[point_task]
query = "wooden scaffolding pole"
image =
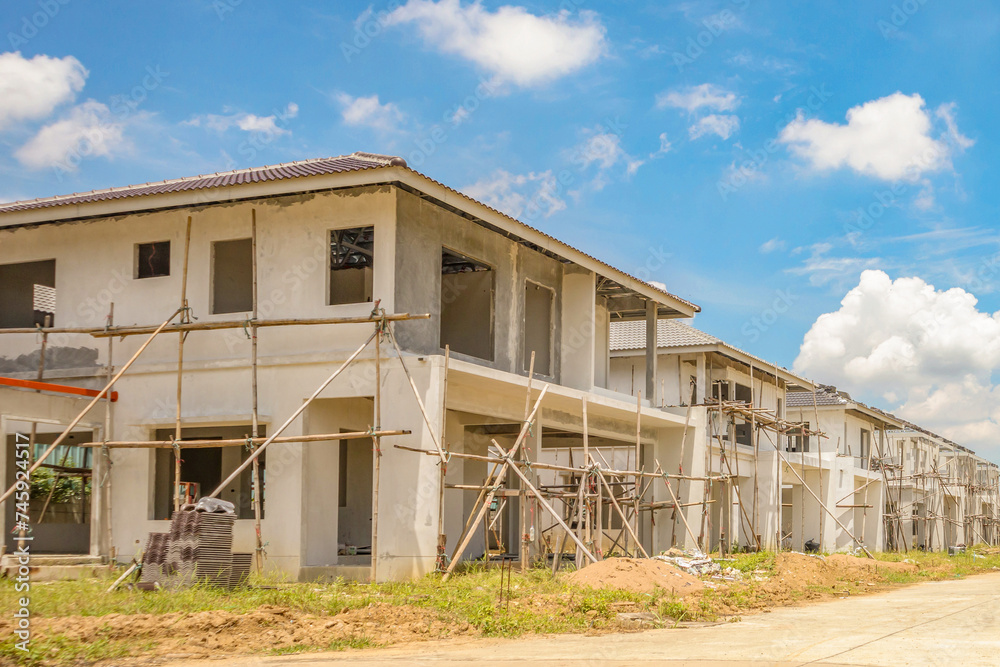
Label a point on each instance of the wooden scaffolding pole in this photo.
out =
(625, 520)
(376, 446)
(58, 441)
(107, 463)
(185, 317)
(638, 466)
(254, 426)
(522, 496)
(819, 451)
(442, 542)
(271, 438)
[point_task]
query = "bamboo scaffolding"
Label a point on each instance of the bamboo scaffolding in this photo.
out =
(500, 477)
(376, 445)
(73, 424)
(239, 442)
(257, 452)
(522, 497)
(442, 536)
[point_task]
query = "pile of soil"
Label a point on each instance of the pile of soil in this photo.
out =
(639, 575)
(799, 571)
(208, 633)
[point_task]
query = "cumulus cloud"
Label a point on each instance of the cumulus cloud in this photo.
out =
(605, 150)
(88, 130)
(930, 353)
(722, 125)
(32, 89)
(693, 98)
(248, 122)
(511, 43)
(891, 138)
(369, 112)
(529, 195)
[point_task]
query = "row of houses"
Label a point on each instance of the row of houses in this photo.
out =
(277, 276)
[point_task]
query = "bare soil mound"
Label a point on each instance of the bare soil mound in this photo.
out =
(639, 575)
(799, 571)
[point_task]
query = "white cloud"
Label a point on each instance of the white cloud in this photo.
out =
(248, 122)
(723, 125)
(510, 43)
(889, 138)
(771, 245)
(665, 146)
(693, 98)
(88, 130)
(931, 351)
(604, 150)
(530, 195)
(368, 112)
(32, 89)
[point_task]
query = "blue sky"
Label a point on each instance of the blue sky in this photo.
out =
(704, 145)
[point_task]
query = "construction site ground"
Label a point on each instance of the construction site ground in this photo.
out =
(594, 613)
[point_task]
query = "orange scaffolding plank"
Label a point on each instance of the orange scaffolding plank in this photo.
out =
(49, 386)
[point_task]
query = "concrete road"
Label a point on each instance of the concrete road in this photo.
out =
(955, 622)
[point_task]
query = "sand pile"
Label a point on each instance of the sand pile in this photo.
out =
(799, 571)
(636, 574)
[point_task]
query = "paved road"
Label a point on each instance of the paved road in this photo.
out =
(955, 622)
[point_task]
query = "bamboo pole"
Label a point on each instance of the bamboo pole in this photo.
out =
(254, 427)
(522, 497)
(140, 330)
(585, 480)
(500, 478)
(58, 441)
(638, 455)
(739, 499)
(680, 471)
(180, 367)
(376, 450)
(819, 451)
(239, 442)
(105, 452)
(257, 452)
(552, 466)
(442, 536)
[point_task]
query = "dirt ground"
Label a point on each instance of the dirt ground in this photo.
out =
(208, 633)
(796, 578)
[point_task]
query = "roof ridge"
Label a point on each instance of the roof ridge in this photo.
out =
(382, 160)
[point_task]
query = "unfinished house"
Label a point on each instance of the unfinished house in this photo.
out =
(842, 469)
(740, 399)
(332, 345)
(915, 512)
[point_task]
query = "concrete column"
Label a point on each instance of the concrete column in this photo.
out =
(700, 378)
(651, 309)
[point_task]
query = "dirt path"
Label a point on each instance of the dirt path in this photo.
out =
(953, 622)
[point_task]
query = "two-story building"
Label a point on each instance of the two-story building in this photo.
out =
(332, 237)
